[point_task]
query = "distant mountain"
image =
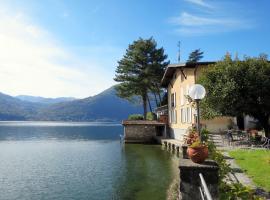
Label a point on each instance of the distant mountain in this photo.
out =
(14, 109)
(43, 100)
(105, 106)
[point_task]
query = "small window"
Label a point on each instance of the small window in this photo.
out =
(183, 115)
(175, 115)
(172, 100)
(188, 113)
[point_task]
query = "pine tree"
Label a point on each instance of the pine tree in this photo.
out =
(140, 70)
(195, 56)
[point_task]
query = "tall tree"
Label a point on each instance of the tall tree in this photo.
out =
(140, 70)
(237, 87)
(195, 56)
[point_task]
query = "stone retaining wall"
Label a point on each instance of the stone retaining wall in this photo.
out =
(190, 180)
(141, 131)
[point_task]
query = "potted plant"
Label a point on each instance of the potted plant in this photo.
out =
(197, 150)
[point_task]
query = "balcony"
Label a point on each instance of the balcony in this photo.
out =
(162, 113)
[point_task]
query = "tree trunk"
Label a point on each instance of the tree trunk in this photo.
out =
(159, 96)
(240, 122)
(155, 98)
(149, 104)
(158, 91)
(144, 98)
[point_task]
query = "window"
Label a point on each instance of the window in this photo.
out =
(170, 117)
(189, 114)
(183, 115)
(175, 116)
(173, 100)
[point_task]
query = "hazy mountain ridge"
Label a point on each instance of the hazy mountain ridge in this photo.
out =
(36, 99)
(105, 106)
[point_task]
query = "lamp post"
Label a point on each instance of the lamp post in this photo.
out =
(197, 93)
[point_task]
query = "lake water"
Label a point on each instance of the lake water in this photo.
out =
(41, 160)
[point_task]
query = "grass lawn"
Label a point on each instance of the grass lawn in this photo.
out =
(256, 163)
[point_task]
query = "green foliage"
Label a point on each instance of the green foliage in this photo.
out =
(204, 135)
(256, 163)
(216, 155)
(237, 87)
(135, 117)
(197, 144)
(140, 70)
(195, 56)
(151, 116)
(237, 191)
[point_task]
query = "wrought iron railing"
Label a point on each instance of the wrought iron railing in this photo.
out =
(205, 194)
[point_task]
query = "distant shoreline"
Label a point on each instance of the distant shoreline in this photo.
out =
(57, 123)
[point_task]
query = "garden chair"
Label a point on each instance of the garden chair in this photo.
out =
(265, 143)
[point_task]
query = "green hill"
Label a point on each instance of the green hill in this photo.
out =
(105, 106)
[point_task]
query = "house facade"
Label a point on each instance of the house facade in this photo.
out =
(178, 78)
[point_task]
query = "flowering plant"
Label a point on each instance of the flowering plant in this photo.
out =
(192, 137)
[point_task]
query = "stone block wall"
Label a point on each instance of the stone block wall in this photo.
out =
(137, 133)
(190, 180)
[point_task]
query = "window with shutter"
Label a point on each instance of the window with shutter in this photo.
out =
(172, 100)
(175, 99)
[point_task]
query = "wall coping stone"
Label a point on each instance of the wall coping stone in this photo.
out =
(207, 164)
(143, 122)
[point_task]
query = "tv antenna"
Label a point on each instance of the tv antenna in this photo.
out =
(179, 50)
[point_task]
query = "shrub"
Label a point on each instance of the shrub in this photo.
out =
(135, 117)
(204, 135)
(151, 116)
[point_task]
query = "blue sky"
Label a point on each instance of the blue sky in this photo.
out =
(70, 48)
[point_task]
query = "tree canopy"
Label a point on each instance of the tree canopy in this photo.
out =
(236, 87)
(140, 70)
(195, 56)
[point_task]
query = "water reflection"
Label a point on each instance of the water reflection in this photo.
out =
(59, 131)
(147, 172)
(66, 161)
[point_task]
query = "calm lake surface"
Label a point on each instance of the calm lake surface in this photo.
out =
(49, 160)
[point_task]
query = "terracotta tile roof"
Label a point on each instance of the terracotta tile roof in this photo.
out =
(169, 72)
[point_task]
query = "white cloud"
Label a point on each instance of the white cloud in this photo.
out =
(213, 21)
(200, 3)
(32, 62)
(186, 19)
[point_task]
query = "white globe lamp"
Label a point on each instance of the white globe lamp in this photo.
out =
(197, 93)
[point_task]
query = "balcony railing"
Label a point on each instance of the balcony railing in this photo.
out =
(162, 110)
(205, 194)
